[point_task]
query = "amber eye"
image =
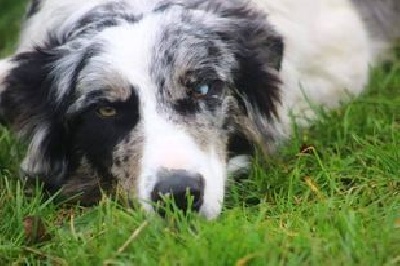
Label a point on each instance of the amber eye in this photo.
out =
(106, 112)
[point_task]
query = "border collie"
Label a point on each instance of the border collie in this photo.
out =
(161, 97)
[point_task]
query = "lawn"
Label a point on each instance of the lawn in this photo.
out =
(338, 203)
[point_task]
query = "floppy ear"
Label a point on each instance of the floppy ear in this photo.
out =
(257, 82)
(259, 51)
(28, 107)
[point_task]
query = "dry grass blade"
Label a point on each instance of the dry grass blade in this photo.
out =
(307, 149)
(314, 188)
(54, 260)
(132, 237)
(245, 260)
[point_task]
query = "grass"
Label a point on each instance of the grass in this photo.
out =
(339, 204)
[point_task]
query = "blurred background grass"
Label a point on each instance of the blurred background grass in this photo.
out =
(11, 12)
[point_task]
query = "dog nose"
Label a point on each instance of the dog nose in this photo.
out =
(178, 185)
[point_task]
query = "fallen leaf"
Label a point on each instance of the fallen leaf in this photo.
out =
(34, 230)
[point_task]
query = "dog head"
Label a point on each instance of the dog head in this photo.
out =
(154, 102)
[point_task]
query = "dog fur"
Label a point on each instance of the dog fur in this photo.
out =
(189, 85)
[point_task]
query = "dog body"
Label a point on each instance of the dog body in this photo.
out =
(158, 97)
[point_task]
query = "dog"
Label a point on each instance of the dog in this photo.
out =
(161, 98)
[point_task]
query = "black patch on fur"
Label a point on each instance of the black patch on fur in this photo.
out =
(259, 52)
(33, 8)
(258, 85)
(95, 94)
(29, 103)
(95, 137)
(28, 89)
(186, 106)
(239, 144)
(161, 84)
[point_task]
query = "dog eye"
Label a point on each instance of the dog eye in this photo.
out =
(106, 112)
(204, 90)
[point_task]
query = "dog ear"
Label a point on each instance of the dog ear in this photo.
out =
(259, 52)
(28, 107)
(257, 82)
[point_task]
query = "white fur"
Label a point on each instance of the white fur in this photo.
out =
(35, 160)
(327, 54)
(53, 14)
(238, 164)
(5, 66)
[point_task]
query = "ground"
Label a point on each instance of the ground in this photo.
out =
(335, 203)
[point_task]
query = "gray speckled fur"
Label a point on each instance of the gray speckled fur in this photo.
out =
(382, 17)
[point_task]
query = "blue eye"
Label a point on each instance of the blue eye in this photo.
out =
(203, 89)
